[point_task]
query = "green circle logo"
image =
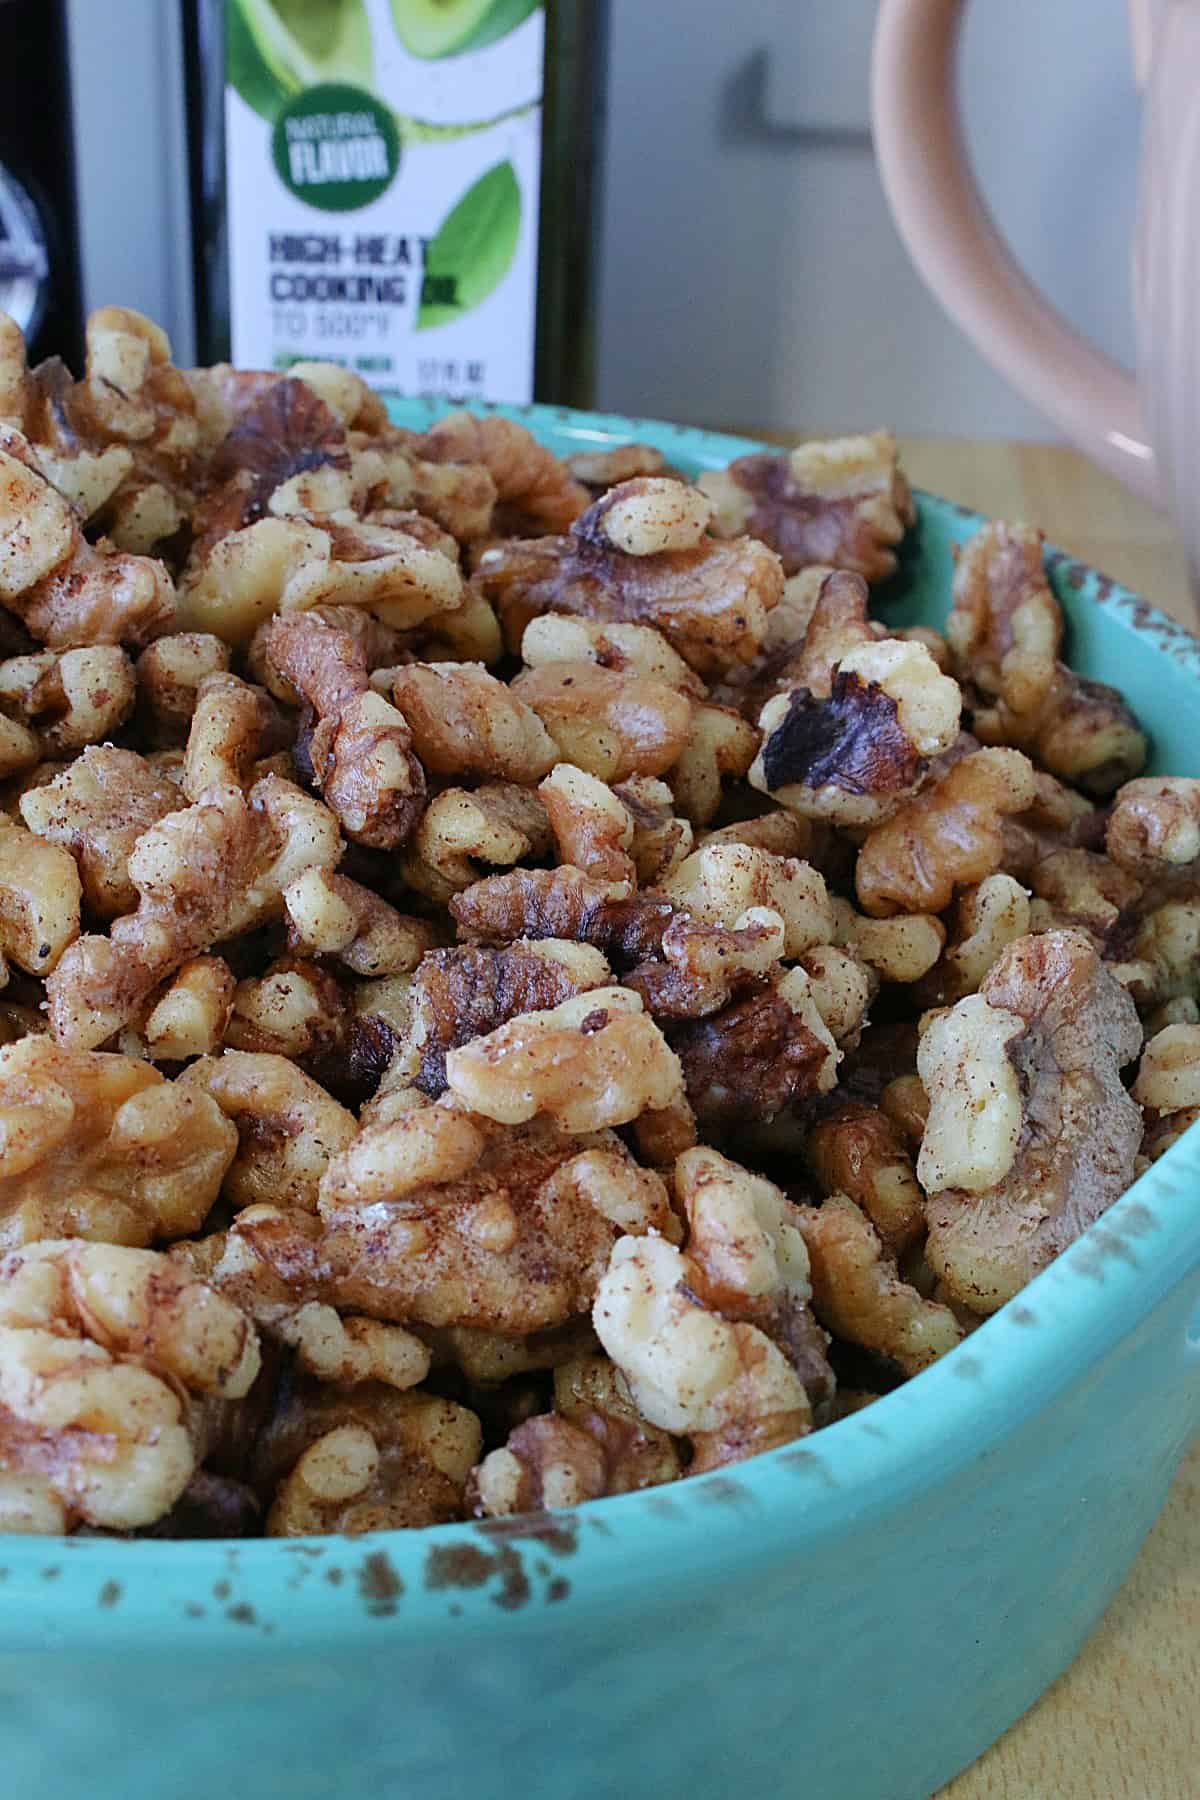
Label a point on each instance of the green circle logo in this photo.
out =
(336, 147)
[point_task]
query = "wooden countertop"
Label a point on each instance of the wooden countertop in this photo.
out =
(1122, 1721)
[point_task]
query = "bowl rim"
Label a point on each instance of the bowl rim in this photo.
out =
(275, 1595)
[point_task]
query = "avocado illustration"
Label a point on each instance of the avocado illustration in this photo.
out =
(436, 28)
(274, 49)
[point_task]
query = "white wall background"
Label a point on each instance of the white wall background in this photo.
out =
(750, 271)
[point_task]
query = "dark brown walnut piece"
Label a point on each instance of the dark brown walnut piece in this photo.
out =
(286, 431)
(1012, 1184)
(853, 740)
(563, 903)
(463, 993)
(844, 502)
(704, 965)
(757, 1056)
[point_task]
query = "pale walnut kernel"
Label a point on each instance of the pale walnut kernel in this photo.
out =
(648, 515)
(288, 1127)
(465, 722)
(372, 1459)
(988, 917)
(625, 649)
(496, 824)
(1005, 628)
(857, 1151)
(103, 1351)
(689, 1370)
(719, 743)
(721, 881)
(208, 872)
(593, 830)
(1154, 827)
(39, 899)
(69, 698)
(859, 1294)
(594, 1443)
(287, 565)
(460, 497)
(842, 501)
(97, 808)
(231, 727)
(295, 1009)
(1168, 1077)
(950, 836)
(19, 748)
(901, 949)
(169, 673)
(1065, 1029)
(973, 1125)
(611, 725)
(102, 1147)
(593, 1061)
(843, 987)
(189, 1017)
(329, 915)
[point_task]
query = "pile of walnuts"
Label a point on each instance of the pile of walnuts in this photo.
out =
(516, 987)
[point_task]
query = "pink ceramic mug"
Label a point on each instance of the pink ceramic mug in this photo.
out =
(1147, 432)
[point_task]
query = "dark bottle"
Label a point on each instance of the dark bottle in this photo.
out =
(407, 187)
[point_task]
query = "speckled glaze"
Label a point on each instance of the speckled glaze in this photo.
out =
(854, 1617)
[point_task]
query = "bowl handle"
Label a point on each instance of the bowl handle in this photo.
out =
(955, 245)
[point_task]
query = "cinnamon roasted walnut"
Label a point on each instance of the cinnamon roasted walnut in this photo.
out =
(660, 840)
(295, 1009)
(719, 743)
(288, 1127)
(68, 698)
(988, 917)
(169, 673)
(98, 808)
(1063, 1142)
(758, 1055)
(1168, 1087)
(65, 591)
(190, 1015)
(601, 469)
(613, 726)
(904, 948)
(843, 501)
(39, 900)
(710, 603)
(858, 1292)
(593, 829)
(203, 874)
(856, 1150)
(719, 882)
(232, 727)
(462, 994)
(529, 479)
(102, 1147)
(329, 915)
(592, 1061)
(563, 903)
(436, 1219)
(101, 1352)
(465, 722)
(947, 837)
(370, 1459)
(646, 516)
(625, 649)
(703, 965)
(497, 824)
(688, 1369)
(360, 749)
(1154, 827)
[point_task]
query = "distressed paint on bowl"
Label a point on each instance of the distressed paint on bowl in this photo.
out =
(852, 1617)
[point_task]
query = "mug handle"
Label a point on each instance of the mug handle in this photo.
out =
(956, 247)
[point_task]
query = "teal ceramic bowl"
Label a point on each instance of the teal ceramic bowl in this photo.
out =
(854, 1617)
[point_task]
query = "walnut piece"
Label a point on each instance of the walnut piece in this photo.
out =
(1154, 827)
(593, 829)
(988, 917)
(330, 915)
(189, 1016)
(209, 872)
(465, 722)
(755, 1057)
(859, 1294)
(857, 1151)
(101, 1351)
(98, 808)
(68, 698)
(169, 673)
(102, 1147)
(721, 881)
(646, 516)
(39, 899)
(288, 1127)
(593, 1061)
(1049, 1032)
(496, 824)
(529, 479)
(950, 836)
(689, 1370)
(842, 501)
(623, 648)
(612, 725)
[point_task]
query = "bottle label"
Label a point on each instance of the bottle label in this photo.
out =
(382, 167)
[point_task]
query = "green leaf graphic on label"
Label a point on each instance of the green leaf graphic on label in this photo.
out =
(276, 48)
(433, 28)
(472, 249)
(336, 147)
